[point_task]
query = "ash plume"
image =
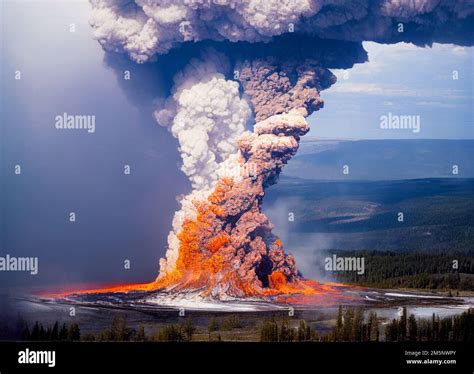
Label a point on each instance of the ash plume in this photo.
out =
(144, 29)
(269, 85)
(222, 243)
(207, 116)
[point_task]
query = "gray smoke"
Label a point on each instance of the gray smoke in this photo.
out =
(144, 29)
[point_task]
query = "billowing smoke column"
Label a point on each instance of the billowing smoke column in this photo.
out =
(207, 116)
(222, 244)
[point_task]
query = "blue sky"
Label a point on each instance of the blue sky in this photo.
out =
(401, 79)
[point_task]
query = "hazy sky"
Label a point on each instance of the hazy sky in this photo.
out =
(118, 217)
(128, 217)
(402, 79)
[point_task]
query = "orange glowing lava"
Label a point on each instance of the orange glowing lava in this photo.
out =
(202, 264)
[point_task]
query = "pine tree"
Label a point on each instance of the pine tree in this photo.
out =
(74, 332)
(284, 333)
(268, 332)
(357, 325)
(402, 324)
(304, 331)
(48, 333)
(189, 328)
(42, 333)
(35, 332)
(119, 330)
(169, 333)
(55, 332)
(212, 326)
(339, 324)
(373, 327)
(25, 334)
(141, 336)
(391, 331)
(21, 330)
(63, 332)
(412, 328)
(347, 324)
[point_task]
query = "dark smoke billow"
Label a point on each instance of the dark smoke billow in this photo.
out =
(146, 28)
(254, 61)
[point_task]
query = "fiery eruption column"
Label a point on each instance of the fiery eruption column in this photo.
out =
(222, 243)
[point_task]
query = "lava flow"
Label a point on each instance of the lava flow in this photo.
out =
(228, 250)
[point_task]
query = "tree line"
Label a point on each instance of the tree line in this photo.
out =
(119, 330)
(411, 270)
(351, 325)
(455, 328)
(39, 332)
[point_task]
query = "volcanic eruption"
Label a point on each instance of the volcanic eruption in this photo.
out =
(265, 64)
(223, 244)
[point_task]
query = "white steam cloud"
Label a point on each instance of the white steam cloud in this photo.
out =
(207, 116)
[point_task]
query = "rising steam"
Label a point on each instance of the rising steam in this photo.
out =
(207, 116)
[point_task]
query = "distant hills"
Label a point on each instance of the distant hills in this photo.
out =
(382, 159)
(438, 215)
(331, 211)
